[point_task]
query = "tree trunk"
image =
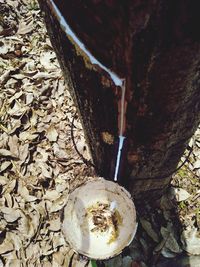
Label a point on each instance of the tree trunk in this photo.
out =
(155, 48)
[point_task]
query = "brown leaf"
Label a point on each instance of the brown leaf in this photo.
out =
(25, 27)
(55, 225)
(6, 153)
(5, 165)
(14, 145)
(24, 152)
(6, 247)
(10, 214)
(52, 134)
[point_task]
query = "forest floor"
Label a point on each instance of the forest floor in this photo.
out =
(39, 164)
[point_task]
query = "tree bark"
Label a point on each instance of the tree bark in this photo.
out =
(155, 47)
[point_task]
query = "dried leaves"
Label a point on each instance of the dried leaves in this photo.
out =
(37, 159)
(38, 164)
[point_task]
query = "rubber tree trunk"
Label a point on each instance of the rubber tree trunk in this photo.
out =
(155, 46)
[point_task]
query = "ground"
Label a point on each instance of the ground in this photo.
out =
(40, 134)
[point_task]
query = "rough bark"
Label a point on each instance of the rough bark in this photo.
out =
(155, 46)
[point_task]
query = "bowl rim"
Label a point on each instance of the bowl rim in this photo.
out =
(132, 235)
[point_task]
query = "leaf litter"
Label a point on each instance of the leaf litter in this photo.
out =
(39, 165)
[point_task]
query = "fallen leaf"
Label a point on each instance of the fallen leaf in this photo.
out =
(59, 203)
(15, 263)
(10, 214)
(27, 136)
(5, 153)
(25, 26)
(197, 164)
(45, 75)
(180, 194)
(52, 134)
(55, 225)
(24, 193)
(3, 180)
(14, 145)
(17, 109)
(47, 59)
(6, 246)
(5, 165)
(58, 240)
(58, 258)
(51, 195)
(24, 152)
(191, 241)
